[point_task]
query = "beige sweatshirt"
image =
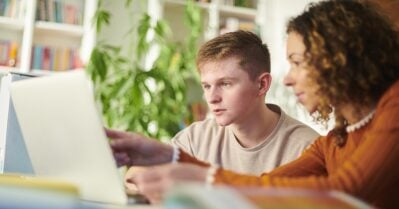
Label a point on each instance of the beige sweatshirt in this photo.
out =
(217, 145)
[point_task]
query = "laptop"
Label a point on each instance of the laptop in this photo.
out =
(64, 135)
(13, 150)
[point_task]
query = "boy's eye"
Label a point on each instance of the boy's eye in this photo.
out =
(226, 84)
(206, 86)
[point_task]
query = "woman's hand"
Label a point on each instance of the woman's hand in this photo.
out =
(154, 182)
(133, 149)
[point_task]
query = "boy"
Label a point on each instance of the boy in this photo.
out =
(245, 135)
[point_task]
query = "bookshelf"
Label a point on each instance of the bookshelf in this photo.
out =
(45, 36)
(9, 23)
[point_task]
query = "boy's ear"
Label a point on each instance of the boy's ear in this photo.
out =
(265, 80)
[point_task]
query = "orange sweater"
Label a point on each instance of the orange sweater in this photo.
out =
(366, 167)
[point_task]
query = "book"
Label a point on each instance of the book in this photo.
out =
(54, 58)
(12, 55)
(59, 11)
(32, 192)
(12, 8)
(8, 53)
(39, 183)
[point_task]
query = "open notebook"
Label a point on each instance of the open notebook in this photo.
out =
(64, 135)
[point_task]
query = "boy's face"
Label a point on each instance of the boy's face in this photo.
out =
(231, 95)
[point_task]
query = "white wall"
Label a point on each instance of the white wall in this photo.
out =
(122, 20)
(278, 13)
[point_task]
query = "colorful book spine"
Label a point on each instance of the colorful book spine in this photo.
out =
(59, 11)
(12, 8)
(9, 53)
(54, 59)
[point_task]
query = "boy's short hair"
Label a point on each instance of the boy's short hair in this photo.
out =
(253, 55)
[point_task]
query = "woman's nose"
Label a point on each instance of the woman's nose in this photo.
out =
(288, 79)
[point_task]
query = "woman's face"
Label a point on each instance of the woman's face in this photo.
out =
(297, 77)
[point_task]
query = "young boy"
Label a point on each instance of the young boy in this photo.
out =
(245, 135)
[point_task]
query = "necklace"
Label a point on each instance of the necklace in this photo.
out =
(360, 123)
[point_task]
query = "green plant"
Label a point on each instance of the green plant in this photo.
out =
(151, 100)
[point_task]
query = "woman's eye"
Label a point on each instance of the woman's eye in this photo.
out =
(296, 63)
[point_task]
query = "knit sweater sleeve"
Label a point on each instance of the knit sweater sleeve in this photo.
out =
(184, 157)
(311, 163)
(371, 168)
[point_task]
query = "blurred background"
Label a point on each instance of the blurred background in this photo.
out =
(140, 54)
(267, 18)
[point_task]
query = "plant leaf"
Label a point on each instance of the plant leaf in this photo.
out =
(101, 18)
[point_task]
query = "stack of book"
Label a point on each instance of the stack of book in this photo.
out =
(12, 8)
(59, 11)
(55, 59)
(8, 53)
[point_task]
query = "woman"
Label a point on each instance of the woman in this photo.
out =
(344, 58)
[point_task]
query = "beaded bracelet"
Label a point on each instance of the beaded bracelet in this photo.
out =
(210, 175)
(176, 154)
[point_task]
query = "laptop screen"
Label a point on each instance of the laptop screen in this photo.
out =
(64, 135)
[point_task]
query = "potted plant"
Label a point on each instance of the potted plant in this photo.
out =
(136, 98)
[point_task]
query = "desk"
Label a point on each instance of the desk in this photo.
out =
(90, 205)
(200, 196)
(186, 196)
(19, 197)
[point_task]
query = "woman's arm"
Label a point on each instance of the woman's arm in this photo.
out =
(371, 168)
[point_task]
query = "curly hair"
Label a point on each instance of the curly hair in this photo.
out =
(253, 54)
(354, 51)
